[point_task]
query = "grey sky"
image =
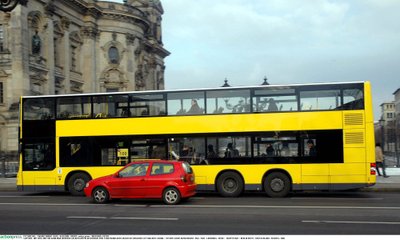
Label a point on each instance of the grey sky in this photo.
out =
(286, 40)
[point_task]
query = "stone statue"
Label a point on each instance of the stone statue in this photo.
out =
(36, 44)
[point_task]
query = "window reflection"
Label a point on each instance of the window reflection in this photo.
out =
(319, 100)
(147, 105)
(228, 101)
(109, 106)
(74, 107)
(39, 109)
(188, 103)
(272, 100)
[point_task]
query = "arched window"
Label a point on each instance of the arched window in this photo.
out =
(113, 55)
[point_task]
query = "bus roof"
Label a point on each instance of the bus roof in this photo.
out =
(197, 89)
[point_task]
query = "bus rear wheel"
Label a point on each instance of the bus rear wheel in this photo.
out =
(230, 184)
(277, 184)
(77, 183)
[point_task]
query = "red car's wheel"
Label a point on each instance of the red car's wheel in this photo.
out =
(171, 196)
(100, 195)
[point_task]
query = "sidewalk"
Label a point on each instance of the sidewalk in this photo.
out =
(390, 184)
(8, 184)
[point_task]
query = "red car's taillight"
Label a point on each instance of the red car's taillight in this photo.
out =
(183, 178)
(187, 178)
(373, 169)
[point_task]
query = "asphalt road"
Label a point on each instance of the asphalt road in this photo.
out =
(307, 213)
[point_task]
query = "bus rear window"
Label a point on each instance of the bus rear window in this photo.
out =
(38, 109)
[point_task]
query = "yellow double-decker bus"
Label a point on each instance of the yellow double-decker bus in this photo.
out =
(275, 138)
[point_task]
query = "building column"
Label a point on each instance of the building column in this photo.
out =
(19, 47)
(67, 63)
(50, 56)
(89, 55)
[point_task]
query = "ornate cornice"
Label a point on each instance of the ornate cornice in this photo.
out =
(65, 22)
(50, 8)
(156, 48)
(78, 5)
(9, 5)
(94, 11)
(130, 38)
(128, 19)
(89, 32)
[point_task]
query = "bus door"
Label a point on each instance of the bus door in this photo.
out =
(38, 165)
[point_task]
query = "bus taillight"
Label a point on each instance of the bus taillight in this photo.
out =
(373, 169)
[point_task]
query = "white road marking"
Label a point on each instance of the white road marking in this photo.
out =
(48, 204)
(86, 217)
(144, 218)
(277, 207)
(16, 196)
(333, 198)
(201, 206)
(350, 222)
(123, 218)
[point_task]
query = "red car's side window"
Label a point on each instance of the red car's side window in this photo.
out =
(134, 170)
(162, 168)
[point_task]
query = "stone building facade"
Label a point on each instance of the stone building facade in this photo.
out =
(76, 46)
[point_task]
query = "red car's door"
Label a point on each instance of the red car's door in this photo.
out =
(130, 182)
(160, 174)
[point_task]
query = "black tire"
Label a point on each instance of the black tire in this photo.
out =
(77, 183)
(230, 184)
(100, 195)
(277, 185)
(171, 196)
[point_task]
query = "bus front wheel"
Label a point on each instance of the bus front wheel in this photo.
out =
(77, 182)
(230, 184)
(277, 184)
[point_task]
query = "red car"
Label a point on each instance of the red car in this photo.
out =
(170, 181)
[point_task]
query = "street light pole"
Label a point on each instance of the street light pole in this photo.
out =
(381, 122)
(9, 5)
(396, 152)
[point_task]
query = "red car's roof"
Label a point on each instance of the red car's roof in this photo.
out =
(154, 161)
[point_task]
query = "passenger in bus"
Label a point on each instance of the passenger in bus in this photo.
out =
(272, 107)
(231, 152)
(186, 154)
(270, 150)
(210, 151)
(195, 109)
(125, 112)
(312, 151)
(158, 152)
(285, 150)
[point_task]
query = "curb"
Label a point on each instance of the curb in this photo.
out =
(382, 189)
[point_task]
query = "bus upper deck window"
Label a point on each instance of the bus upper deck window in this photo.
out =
(353, 99)
(38, 109)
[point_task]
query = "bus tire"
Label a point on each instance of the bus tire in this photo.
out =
(171, 196)
(230, 184)
(277, 184)
(77, 182)
(100, 195)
